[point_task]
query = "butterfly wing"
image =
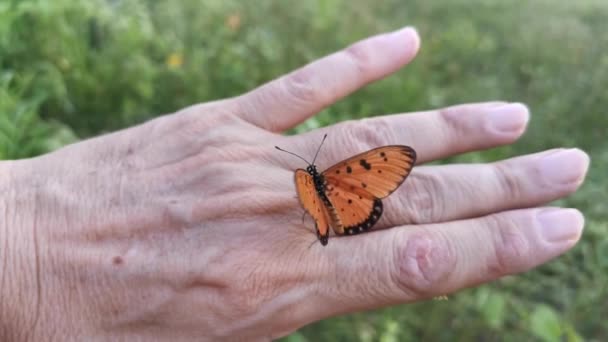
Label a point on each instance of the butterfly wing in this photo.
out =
(356, 212)
(356, 185)
(378, 172)
(310, 201)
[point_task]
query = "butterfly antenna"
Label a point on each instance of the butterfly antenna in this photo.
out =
(293, 154)
(319, 149)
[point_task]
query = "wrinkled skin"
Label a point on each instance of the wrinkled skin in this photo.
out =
(187, 227)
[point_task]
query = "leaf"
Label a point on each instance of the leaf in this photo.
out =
(391, 331)
(492, 306)
(545, 324)
(295, 337)
(494, 310)
(572, 335)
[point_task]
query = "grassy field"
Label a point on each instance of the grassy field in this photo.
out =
(72, 69)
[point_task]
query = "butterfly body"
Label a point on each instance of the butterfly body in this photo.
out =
(320, 187)
(347, 196)
(318, 180)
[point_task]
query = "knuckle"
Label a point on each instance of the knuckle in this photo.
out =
(367, 133)
(510, 248)
(454, 122)
(422, 264)
(359, 55)
(246, 295)
(238, 303)
(249, 301)
(202, 117)
(224, 150)
(300, 88)
(423, 203)
(507, 181)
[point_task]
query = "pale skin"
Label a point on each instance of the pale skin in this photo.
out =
(187, 227)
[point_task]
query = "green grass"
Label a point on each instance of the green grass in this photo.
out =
(72, 69)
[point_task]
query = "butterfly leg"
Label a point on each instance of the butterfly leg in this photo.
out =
(303, 216)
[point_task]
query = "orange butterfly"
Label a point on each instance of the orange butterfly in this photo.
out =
(347, 196)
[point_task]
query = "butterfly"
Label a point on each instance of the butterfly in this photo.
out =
(348, 196)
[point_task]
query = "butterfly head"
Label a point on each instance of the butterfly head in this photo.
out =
(312, 169)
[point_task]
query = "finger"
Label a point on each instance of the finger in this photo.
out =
(413, 263)
(434, 134)
(449, 192)
(293, 98)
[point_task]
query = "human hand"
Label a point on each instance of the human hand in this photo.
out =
(188, 227)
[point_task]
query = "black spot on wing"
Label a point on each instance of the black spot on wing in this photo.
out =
(369, 222)
(365, 164)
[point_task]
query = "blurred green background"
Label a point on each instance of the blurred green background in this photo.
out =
(73, 69)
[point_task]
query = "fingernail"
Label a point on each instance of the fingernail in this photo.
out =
(408, 30)
(509, 118)
(557, 225)
(408, 34)
(564, 166)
